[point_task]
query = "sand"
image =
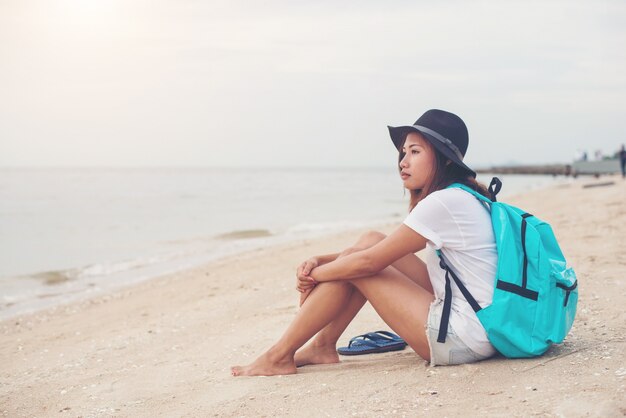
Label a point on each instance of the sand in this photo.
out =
(164, 347)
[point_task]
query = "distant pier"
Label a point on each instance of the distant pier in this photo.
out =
(593, 168)
(552, 169)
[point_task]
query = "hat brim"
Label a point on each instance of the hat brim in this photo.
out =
(398, 135)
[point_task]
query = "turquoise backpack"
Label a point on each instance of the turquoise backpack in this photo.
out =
(535, 295)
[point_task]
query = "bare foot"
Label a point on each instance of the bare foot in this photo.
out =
(315, 354)
(266, 365)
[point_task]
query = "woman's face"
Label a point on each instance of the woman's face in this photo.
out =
(418, 163)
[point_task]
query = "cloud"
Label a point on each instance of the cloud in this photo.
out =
(234, 83)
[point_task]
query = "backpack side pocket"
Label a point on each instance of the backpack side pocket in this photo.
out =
(564, 301)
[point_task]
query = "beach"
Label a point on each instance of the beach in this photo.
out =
(164, 347)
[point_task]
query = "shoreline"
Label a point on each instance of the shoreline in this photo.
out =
(52, 289)
(29, 293)
(47, 289)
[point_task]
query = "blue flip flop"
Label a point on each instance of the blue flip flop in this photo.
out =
(373, 342)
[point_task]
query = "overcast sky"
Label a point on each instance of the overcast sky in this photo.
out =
(286, 83)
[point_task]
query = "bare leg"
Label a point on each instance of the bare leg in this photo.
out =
(322, 306)
(323, 348)
(401, 303)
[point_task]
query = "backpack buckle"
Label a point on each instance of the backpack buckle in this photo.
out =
(494, 188)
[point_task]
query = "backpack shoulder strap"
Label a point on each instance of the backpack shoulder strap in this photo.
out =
(447, 301)
(494, 189)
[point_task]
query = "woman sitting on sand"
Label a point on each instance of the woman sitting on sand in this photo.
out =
(406, 292)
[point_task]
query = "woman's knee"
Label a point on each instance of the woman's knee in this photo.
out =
(367, 240)
(336, 286)
(371, 238)
(359, 282)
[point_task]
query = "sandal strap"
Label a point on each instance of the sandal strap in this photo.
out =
(386, 335)
(363, 340)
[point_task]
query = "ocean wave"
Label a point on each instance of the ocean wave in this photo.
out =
(245, 234)
(338, 226)
(323, 227)
(55, 277)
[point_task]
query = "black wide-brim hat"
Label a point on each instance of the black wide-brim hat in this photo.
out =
(444, 130)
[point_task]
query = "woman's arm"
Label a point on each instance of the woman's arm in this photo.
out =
(326, 258)
(371, 260)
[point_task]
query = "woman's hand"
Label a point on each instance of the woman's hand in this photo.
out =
(305, 283)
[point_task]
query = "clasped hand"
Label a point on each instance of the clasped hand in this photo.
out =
(304, 282)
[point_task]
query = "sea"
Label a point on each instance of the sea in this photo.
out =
(72, 233)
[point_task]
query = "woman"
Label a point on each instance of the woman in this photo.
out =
(405, 291)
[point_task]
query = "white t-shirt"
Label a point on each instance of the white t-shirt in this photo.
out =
(458, 224)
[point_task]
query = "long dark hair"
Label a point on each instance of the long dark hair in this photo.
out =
(444, 174)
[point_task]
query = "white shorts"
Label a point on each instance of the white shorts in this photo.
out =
(453, 351)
